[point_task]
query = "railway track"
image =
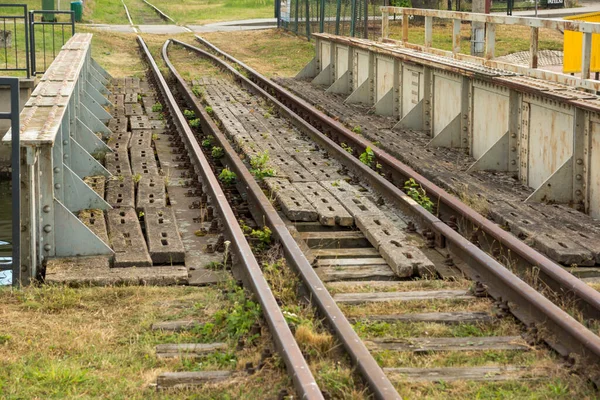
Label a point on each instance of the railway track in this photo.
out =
(356, 243)
(143, 12)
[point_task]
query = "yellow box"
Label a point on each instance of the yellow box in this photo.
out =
(572, 46)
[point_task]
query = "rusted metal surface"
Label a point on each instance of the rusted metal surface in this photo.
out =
(360, 355)
(289, 350)
(568, 335)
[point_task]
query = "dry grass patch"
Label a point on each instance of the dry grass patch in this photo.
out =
(271, 52)
(446, 359)
(119, 53)
(381, 329)
(319, 342)
(417, 306)
(398, 286)
(191, 66)
(556, 383)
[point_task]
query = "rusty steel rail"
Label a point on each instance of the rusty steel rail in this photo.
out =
(566, 336)
(288, 348)
(378, 382)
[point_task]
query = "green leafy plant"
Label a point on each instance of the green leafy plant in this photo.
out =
(263, 235)
(139, 97)
(227, 176)
(217, 152)
(234, 320)
(368, 157)
(157, 107)
(137, 178)
(198, 91)
(260, 167)
(189, 114)
(215, 265)
(238, 320)
(209, 110)
(357, 129)
(347, 148)
(418, 194)
(245, 228)
(207, 142)
(195, 123)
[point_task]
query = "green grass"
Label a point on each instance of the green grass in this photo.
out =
(193, 12)
(197, 12)
(509, 38)
(48, 44)
(105, 12)
(95, 343)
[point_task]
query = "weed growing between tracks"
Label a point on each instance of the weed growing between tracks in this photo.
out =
(329, 364)
(331, 368)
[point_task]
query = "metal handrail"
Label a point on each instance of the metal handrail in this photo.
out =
(57, 139)
(490, 21)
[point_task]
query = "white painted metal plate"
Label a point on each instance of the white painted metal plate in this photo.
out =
(361, 68)
(324, 54)
(490, 117)
(550, 141)
(447, 95)
(341, 61)
(413, 87)
(384, 76)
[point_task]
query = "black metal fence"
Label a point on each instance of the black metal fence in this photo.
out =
(29, 40)
(47, 31)
(14, 38)
(357, 18)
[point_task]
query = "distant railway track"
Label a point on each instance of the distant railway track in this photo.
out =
(148, 14)
(331, 254)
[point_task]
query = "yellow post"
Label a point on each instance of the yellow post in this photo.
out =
(573, 46)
